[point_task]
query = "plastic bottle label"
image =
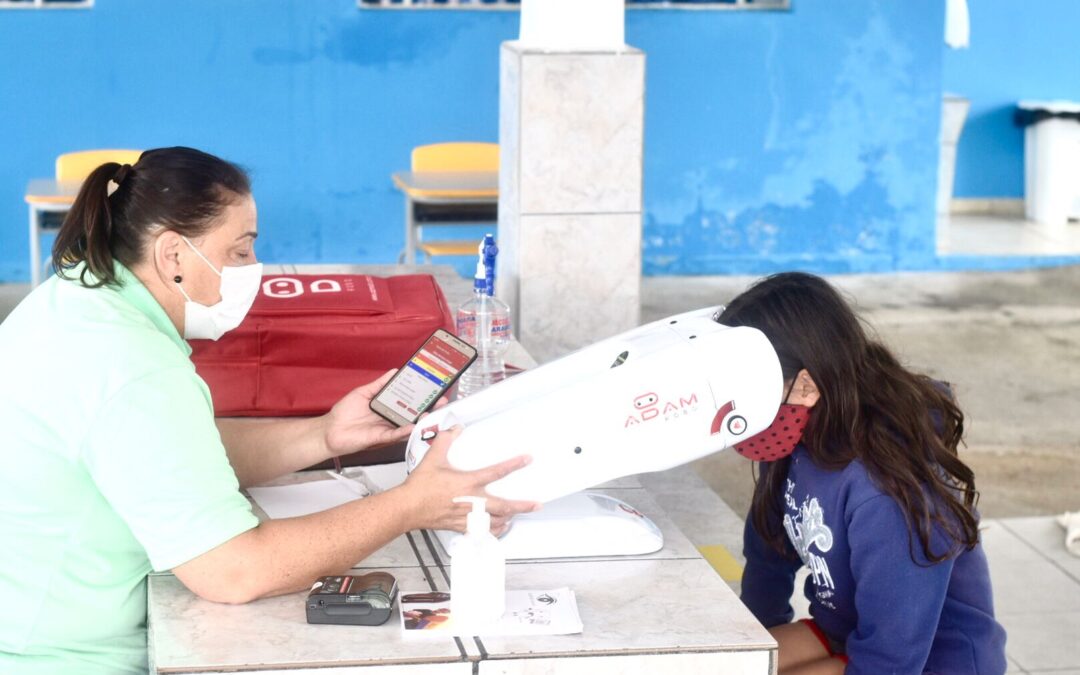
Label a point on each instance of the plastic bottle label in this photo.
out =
(500, 328)
(466, 327)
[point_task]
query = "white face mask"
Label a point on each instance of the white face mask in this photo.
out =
(239, 286)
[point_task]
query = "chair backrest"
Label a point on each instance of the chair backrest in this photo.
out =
(456, 157)
(78, 165)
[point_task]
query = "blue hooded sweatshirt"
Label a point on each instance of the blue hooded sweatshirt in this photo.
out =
(888, 613)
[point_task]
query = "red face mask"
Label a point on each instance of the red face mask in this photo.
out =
(779, 440)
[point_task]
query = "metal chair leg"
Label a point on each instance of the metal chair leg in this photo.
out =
(35, 246)
(410, 232)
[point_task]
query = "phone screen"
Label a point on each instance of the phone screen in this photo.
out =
(424, 378)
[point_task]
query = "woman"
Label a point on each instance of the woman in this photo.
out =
(861, 483)
(112, 464)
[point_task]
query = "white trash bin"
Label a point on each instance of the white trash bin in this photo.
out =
(1051, 160)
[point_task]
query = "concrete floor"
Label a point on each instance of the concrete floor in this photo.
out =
(1009, 342)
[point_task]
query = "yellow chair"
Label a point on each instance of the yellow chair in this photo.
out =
(78, 165)
(450, 184)
(456, 157)
(56, 196)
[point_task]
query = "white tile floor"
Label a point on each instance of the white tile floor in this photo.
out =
(1036, 593)
(1003, 236)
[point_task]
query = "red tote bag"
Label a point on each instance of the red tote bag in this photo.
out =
(310, 339)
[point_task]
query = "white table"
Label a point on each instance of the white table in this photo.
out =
(663, 612)
(658, 613)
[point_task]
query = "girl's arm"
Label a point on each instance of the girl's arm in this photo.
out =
(898, 600)
(768, 579)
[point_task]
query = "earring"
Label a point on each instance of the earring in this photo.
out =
(177, 278)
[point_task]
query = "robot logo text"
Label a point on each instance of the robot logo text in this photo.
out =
(649, 406)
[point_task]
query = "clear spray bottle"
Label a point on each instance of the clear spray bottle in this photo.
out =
(484, 322)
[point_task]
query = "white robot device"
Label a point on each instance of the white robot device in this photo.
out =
(650, 399)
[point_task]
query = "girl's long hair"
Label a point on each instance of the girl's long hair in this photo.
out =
(903, 427)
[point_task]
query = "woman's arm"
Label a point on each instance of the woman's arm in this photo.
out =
(263, 449)
(287, 555)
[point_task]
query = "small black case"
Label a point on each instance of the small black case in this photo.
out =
(364, 600)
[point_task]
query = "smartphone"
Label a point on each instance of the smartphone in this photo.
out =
(433, 369)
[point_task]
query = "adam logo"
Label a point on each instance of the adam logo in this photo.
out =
(648, 407)
(288, 287)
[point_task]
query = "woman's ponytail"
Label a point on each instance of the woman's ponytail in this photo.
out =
(85, 234)
(178, 189)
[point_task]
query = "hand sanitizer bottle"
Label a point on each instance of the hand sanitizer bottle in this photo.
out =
(477, 571)
(484, 322)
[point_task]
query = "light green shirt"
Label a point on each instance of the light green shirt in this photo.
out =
(110, 467)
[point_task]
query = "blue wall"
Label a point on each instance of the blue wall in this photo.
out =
(773, 139)
(802, 139)
(1019, 50)
(319, 100)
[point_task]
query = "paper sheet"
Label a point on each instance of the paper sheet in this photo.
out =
(382, 477)
(1071, 523)
(426, 614)
(290, 501)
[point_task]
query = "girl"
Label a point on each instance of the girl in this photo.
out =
(860, 482)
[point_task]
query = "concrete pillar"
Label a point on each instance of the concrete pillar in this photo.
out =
(571, 129)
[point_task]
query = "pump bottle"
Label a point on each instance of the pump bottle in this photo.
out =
(477, 571)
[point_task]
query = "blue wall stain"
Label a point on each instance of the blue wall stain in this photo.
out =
(1018, 51)
(773, 139)
(814, 140)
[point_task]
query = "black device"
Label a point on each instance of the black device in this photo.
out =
(363, 600)
(433, 369)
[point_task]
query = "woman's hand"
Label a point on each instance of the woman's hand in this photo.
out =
(351, 425)
(433, 485)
